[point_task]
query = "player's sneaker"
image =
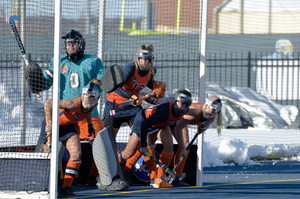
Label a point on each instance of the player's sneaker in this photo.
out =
(127, 176)
(161, 183)
(66, 192)
(179, 183)
(152, 182)
(91, 181)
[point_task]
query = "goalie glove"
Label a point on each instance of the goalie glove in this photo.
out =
(159, 88)
(34, 77)
(92, 131)
(137, 100)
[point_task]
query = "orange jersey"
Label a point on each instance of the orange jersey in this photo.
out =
(171, 119)
(66, 117)
(197, 121)
(134, 85)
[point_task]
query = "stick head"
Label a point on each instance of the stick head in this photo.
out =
(12, 18)
(176, 180)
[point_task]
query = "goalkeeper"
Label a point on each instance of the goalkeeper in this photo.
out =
(138, 74)
(72, 111)
(77, 69)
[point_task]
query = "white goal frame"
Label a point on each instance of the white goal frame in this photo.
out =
(203, 33)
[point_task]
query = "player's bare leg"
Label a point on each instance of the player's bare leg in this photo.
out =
(73, 146)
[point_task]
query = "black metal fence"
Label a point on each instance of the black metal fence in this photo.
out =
(270, 75)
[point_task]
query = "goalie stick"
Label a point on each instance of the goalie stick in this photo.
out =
(18, 38)
(19, 41)
(128, 102)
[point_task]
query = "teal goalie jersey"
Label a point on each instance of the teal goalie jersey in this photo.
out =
(74, 76)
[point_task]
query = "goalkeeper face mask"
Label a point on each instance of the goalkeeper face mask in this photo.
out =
(211, 108)
(72, 46)
(90, 95)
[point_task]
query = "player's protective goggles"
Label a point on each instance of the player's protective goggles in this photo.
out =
(92, 90)
(215, 105)
(146, 55)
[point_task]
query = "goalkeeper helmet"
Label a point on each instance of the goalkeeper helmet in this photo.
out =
(74, 45)
(284, 47)
(211, 107)
(184, 98)
(146, 53)
(93, 94)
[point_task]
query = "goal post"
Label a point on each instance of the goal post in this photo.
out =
(27, 171)
(202, 82)
(56, 99)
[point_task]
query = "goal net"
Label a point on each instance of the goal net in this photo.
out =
(25, 163)
(249, 44)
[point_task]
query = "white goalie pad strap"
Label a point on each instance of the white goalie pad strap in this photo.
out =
(105, 156)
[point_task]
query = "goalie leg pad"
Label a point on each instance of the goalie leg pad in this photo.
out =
(112, 78)
(106, 160)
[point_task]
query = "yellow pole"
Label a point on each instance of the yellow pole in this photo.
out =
(133, 25)
(178, 17)
(122, 15)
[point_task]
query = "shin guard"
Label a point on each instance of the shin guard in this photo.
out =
(179, 169)
(151, 165)
(131, 161)
(165, 158)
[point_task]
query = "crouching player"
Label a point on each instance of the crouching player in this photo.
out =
(72, 111)
(199, 114)
(155, 121)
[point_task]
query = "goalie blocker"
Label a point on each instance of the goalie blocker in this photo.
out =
(111, 80)
(105, 157)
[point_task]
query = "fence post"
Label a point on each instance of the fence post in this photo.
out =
(249, 69)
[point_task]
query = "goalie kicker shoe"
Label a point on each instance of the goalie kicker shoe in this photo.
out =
(66, 192)
(117, 185)
(161, 182)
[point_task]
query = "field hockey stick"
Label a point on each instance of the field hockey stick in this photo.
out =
(19, 41)
(18, 38)
(165, 168)
(127, 103)
(187, 149)
(49, 142)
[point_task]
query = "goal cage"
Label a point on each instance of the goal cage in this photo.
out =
(197, 43)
